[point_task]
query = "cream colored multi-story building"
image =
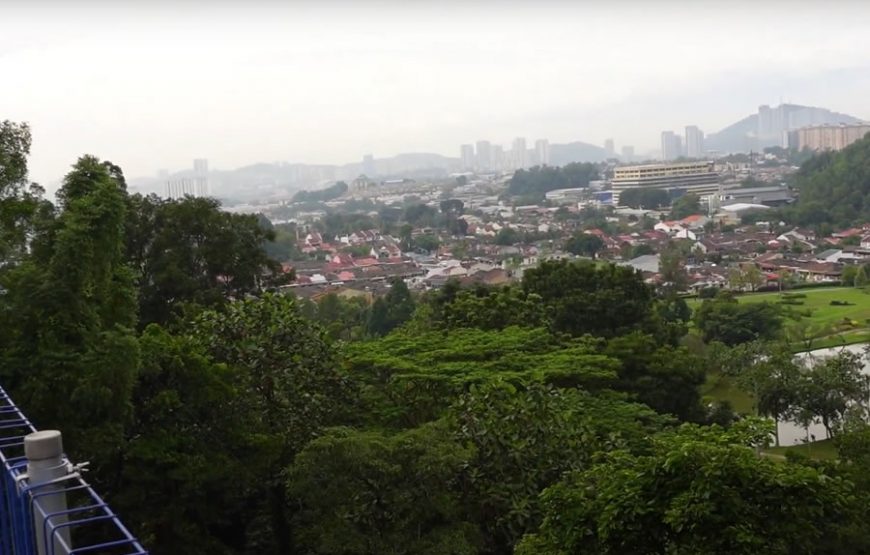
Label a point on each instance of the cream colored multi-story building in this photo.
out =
(692, 177)
(830, 137)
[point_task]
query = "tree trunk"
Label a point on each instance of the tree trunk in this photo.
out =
(280, 525)
(776, 430)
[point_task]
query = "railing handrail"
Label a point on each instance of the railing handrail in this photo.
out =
(20, 501)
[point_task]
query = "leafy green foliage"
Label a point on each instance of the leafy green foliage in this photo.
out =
(665, 378)
(540, 179)
(699, 491)
(644, 197)
(70, 356)
(582, 297)
(724, 319)
(523, 440)
(323, 195)
(834, 188)
(584, 244)
(411, 377)
(367, 492)
(190, 253)
(288, 388)
(183, 444)
(392, 310)
(686, 205)
(494, 309)
(829, 388)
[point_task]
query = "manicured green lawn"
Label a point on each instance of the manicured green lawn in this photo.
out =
(820, 313)
(819, 450)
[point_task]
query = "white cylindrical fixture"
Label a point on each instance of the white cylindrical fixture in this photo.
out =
(44, 453)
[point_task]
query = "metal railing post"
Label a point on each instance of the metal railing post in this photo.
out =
(44, 453)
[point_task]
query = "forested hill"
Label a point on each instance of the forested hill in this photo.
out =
(834, 188)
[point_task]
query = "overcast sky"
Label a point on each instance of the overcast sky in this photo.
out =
(157, 84)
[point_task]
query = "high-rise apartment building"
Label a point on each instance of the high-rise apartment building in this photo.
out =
(542, 152)
(466, 154)
(694, 142)
(627, 153)
(484, 156)
(498, 160)
(519, 154)
(829, 137)
(672, 147)
(609, 149)
(368, 165)
(200, 177)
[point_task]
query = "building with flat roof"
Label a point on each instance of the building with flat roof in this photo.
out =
(829, 137)
(694, 142)
(672, 146)
(691, 177)
(542, 152)
(466, 154)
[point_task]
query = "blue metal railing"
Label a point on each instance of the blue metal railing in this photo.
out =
(87, 526)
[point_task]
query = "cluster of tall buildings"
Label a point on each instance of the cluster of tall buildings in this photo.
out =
(194, 186)
(673, 145)
(487, 157)
(626, 152)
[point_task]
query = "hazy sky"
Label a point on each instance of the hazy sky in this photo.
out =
(156, 84)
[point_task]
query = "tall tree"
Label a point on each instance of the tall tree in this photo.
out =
(698, 491)
(289, 387)
(71, 357)
(185, 443)
(686, 205)
(367, 492)
(189, 253)
(584, 244)
(604, 300)
(392, 310)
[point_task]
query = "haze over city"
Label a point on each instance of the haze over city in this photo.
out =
(327, 82)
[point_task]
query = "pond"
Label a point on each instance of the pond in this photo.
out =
(792, 433)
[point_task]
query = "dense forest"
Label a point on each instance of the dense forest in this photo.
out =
(834, 188)
(559, 415)
(536, 181)
(322, 195)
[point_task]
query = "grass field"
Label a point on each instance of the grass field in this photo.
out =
(823, 450)
(840, 324)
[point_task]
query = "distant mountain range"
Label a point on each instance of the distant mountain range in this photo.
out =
(263, 180)
(768, 126)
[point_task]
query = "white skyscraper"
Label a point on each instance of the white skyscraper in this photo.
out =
(466, 154)
(542, 152)
(519, 154)
(672, 147)
(484, 156)
(497, 158)
(200, 177)
(694, 142)
(609, 149)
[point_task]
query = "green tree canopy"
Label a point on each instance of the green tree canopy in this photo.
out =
(584, 244)
(644, 197)
(584, 297)
(726, 320)
(686, 205)
(188, 252)
(698, 491)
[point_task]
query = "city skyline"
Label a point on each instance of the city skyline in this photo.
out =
(271, 82)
